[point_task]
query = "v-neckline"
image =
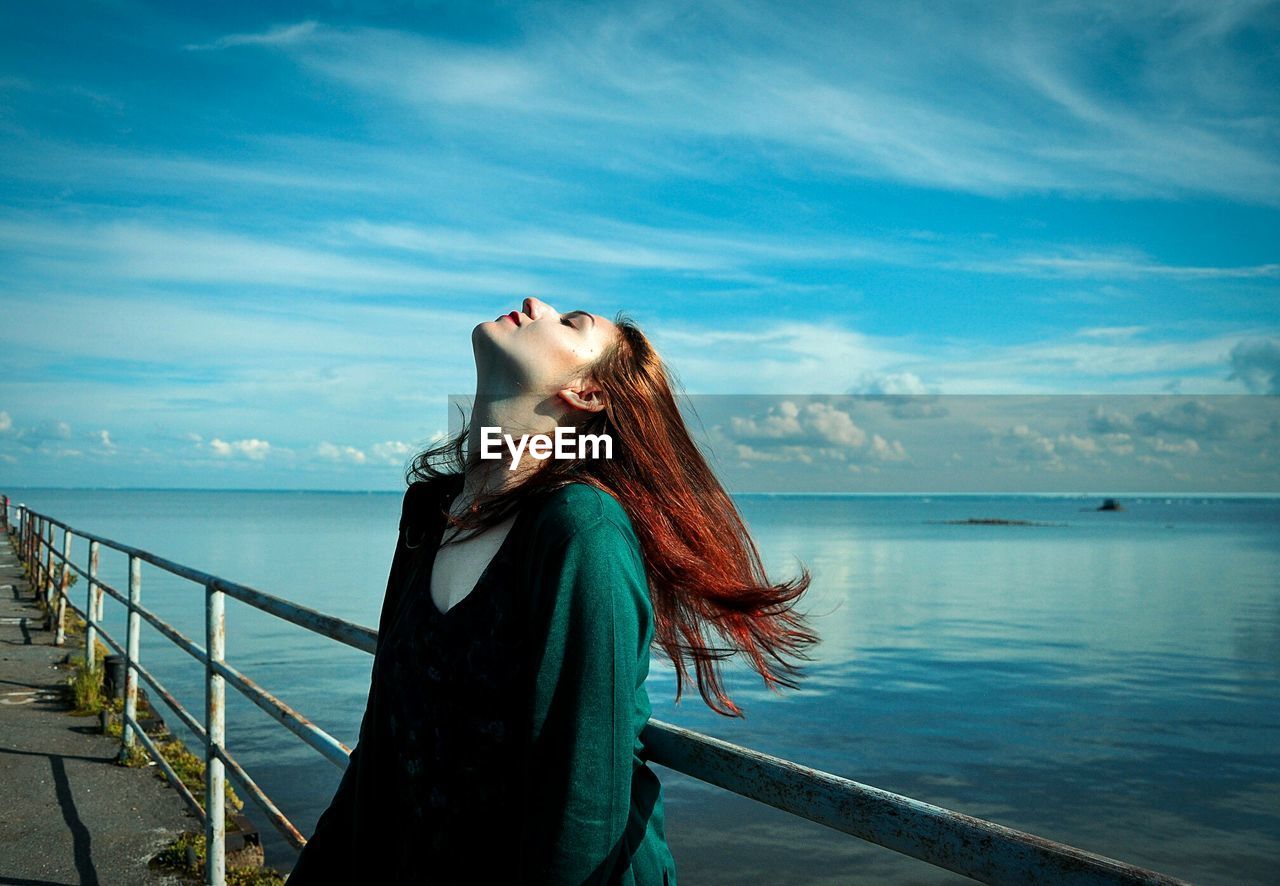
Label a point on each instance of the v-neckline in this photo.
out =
(484, 575)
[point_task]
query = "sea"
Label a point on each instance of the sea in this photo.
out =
(1105, 679)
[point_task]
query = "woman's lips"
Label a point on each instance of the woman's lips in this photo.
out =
(513, 317)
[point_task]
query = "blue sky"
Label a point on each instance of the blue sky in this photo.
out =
(244, 245)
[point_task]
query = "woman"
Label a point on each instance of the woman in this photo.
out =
(501, 739)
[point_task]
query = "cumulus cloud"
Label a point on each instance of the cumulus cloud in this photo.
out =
(1033, 447)
(886, 451)
(391, 451)
(253, 448)
(812, 423)
(1256, 363)
(6, 423)
(1194, 416)
(1186, 447)
(341, 453)
(873, 382)
(45, 431)
(806, 432)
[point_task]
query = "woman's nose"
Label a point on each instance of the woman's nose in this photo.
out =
(534, 307)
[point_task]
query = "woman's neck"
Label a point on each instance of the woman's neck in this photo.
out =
(513, 414)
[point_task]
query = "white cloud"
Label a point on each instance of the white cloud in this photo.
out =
(6, 423)
(886, 451)
(340, 453)
(1186, 447)
(392, 451)
(1111, 332)
(1115, 265)
(171, 253)
(253, 448)
(278, 36)
(1001, 103)
(1256, 364)
(893, 383)
(805, 433)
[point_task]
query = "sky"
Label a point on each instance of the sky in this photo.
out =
(244, 245)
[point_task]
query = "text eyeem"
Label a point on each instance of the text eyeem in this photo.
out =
(540, 446)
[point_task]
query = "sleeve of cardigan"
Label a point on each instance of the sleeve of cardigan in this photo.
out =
(328, 852)
(580, 764)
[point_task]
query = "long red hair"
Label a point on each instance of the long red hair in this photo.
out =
(705, 573)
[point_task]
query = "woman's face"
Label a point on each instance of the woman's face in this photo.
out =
(537, 348)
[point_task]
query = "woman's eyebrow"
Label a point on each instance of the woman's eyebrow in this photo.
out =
(585, 314)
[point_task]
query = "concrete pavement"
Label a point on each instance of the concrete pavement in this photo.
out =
(68, 813)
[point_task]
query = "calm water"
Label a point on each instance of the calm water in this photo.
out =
(1109, 682)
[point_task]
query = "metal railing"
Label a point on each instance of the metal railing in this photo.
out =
(976, 848)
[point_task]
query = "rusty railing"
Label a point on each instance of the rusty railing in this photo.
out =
(979, 849)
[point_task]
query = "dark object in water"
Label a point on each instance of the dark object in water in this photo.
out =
(1110, 504)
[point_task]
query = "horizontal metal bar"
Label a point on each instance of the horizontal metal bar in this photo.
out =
(354, 635)
(166, 768)
(99, 583)
(983, 850)
(172, 702)
(259, 797)
(108, 639)
(333, 750)
(178, 638)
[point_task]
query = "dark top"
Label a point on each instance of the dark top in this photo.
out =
(501, 739)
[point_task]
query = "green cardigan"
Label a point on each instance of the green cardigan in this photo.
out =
(591, 811)
(598, 814)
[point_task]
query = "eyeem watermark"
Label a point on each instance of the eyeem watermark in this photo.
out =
(540, 446)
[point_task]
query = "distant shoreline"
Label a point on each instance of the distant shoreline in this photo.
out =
(1131, 496)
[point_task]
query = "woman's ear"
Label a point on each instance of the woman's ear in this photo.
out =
(589, 398)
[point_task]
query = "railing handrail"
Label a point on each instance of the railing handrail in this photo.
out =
(980, 849)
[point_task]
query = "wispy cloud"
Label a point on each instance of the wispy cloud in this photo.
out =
(278, 36)
(170, 254)
(1112, 266)
(827, 88)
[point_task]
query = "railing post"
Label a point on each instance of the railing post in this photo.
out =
(215, 730)
(25, 536)
(48, 573)
(131, 654)
(64, 581)
(33, 560)
(93, 606)
(4, 515)
(26, 549)
(27, 556)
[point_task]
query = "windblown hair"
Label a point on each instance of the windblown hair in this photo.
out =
(705, 573)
